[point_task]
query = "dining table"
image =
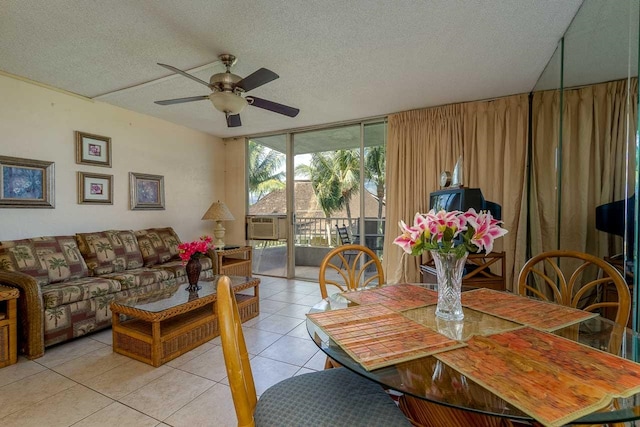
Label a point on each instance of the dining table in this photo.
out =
(511, 356)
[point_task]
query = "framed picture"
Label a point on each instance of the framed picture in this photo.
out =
(146, 191)
(93, 150)
(26, 183)
(94, 188)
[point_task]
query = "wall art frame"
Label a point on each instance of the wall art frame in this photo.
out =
(26, 183)
(146, 191)
(95, 189)
(94, 150)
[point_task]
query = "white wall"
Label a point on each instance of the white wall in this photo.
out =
(235, 190)
(39, 123)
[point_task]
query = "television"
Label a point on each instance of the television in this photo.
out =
(462, 199)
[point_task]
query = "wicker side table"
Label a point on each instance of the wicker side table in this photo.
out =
(8, 322)
(235, 262)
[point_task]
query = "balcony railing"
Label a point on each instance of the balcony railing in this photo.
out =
(318, 231)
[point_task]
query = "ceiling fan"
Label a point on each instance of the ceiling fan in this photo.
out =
(227, 89)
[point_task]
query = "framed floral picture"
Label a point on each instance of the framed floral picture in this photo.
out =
(146, 191)
(93, 150)
(95, 189)
(26, 183)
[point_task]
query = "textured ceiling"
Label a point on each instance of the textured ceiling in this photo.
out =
(337, 60)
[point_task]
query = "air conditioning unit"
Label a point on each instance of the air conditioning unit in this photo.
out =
(262, 228)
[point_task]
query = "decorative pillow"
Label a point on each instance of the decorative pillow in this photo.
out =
(47, 259)
(158, 245)
(109, 251)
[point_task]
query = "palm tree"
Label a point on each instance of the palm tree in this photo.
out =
(55, 314)
(102, 299)
(324, 182)
(128, 242)
(325, 179)
(57, 263)
(68, 291)
(104, 247)
(5, 264)
(346, 167)
(145, 247)
(155, 239)
(70, 250)
(264, 165)
(374, 168)
(21, 253)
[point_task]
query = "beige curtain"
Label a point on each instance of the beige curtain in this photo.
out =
(595, 140)
(490, 135)
(495, 153)
(420, 145)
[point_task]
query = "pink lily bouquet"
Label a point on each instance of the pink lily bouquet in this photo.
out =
(195, 249)
(439, 231)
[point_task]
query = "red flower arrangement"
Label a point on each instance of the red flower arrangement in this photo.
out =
(195, 249)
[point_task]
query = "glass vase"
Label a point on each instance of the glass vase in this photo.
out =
(449, 271)
(193, 269)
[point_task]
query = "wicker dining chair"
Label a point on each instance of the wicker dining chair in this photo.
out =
(572, 290)
(332, 397)
(350, 275)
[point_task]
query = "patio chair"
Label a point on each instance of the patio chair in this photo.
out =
(331, 397)
(345, 239)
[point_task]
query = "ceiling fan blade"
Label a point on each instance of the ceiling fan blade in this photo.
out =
(176, 70)
(258, 78)
(181, 100)
(233, 120)
(272, 106)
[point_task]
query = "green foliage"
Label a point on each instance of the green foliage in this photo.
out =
(264, 170)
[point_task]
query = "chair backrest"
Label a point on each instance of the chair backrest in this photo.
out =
(343, 234)
(236, 357)
(354, 270)
(553, 285)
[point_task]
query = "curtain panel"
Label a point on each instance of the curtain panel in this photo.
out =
(490, 135)
(595, 143)
(420, 145)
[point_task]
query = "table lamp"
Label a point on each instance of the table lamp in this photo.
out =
(218, 212)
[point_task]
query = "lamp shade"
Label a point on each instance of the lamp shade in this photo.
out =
(218, 211)
(228, 102)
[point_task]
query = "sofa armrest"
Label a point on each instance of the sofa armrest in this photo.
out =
(30, 312)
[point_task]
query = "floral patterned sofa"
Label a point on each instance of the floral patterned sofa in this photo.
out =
(67, 282)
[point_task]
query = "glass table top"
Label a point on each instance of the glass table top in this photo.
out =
(430, 379)
(173, 296)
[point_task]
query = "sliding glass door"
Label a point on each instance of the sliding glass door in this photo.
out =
(335, 178)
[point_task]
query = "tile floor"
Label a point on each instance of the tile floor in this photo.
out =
(83, 383)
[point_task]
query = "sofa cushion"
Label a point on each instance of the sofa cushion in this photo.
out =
(47, 259)
(109, 251)
(178, 268)
(158, 245)
(82, 289)
(139, 277)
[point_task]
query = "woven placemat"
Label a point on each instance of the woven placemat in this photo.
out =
(397, 297)
(376, 336)
(543, 315)
(553, 379)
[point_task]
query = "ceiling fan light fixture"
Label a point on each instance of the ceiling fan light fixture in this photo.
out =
(228, 102)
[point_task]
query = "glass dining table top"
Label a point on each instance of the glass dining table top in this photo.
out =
(430, 379)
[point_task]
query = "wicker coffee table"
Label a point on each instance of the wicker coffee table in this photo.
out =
(157, 327)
